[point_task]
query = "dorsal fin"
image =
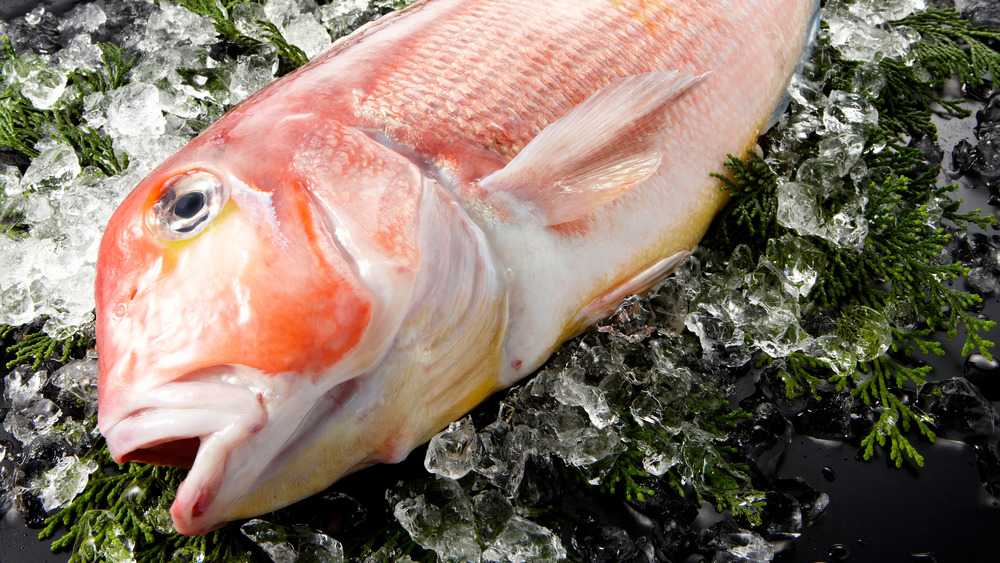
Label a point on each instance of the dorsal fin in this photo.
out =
(597, 151)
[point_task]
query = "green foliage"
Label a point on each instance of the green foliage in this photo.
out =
(752, 214)
(22, 125)
(896, 416)
(221, 16)
(36, 347)
(114, 510)
(895, 280)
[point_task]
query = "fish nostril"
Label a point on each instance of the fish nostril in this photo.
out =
(131, 294)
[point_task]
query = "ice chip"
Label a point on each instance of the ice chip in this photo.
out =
(55, 165)
(342, 17)
(574, 393)
(523, 541)
(58, 486)
(867, 331)
(849, 113)
(295, 544)
(657, 462)
(493, 511)
(282, 12)
(246, 17)
(173, 25)
(87, 17)
(441, 519)
(737, 545)
(135, 110)
(453, 452)
(80, 54)
(32, 421)
(10, 181)
(869, 80)
(801, 206)
(188, 554)
(306, 33)
(857, 30)
(23, 385)
(799, 261)
(252, 71)
(77, 382)
(44, 87)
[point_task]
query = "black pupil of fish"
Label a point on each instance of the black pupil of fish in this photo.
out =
(189, 204)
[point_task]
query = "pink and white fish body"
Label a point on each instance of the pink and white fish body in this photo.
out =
(361, 252)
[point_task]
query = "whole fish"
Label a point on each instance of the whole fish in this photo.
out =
(364, 250)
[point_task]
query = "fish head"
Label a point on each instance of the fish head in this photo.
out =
(245, 291)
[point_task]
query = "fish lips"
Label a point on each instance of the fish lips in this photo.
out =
(235, 428)
(195, 421)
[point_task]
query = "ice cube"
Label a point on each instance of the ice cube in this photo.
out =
(440, 518)
(292, 544)
(55, 165)
(43, 87)
(733, 544)
(523, 541)
(58, 486)
(452, 452)
(135, 110)
(80, 54)
(282, 12)
(77, 383)
(306, 33)
(86, 17)
(247, 17)
(980, 12)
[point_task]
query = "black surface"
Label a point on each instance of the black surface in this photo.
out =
(880, 513)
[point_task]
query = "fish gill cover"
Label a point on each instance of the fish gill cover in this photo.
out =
(820, 284)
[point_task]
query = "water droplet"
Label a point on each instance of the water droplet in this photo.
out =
(981, 363)
(829, 474)
(923, 558)
(839, 552)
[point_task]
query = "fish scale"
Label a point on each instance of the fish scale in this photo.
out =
(412, 221)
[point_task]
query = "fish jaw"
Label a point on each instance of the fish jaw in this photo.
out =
(238, 428)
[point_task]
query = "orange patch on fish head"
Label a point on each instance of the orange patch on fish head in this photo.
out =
(198, 269)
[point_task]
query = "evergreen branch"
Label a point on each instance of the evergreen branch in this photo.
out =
(952, 46)
(285, 49)
(799, 377)
(752, 214)
(38, 346)
(875, 392)
(116, 66)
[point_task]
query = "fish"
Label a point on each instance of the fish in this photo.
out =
(363, 251)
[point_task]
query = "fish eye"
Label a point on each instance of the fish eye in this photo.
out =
(187, 206)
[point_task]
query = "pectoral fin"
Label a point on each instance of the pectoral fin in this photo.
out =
(597, 151)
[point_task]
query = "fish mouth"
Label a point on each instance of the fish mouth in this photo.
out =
(194, 421)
